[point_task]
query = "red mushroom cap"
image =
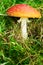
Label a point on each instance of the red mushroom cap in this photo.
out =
(23, 10)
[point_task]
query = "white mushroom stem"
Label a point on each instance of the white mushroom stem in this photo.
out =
(24, 27)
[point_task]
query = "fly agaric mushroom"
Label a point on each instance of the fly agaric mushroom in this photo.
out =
(24, 11)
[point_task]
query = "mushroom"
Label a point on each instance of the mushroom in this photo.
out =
(24, 12)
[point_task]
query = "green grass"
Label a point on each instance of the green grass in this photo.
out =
(13, 50)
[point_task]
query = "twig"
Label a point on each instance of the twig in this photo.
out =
(22, 60)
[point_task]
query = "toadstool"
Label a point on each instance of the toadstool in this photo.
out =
(24, 12)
